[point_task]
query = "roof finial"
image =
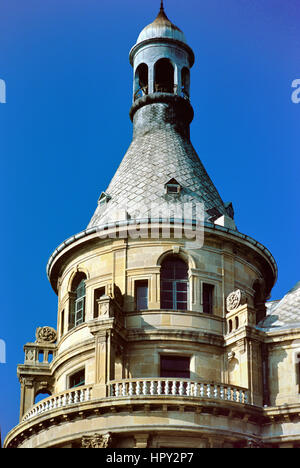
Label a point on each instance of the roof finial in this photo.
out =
(162, 5)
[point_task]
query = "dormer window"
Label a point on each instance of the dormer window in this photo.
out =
(173, 187)
(104, 199)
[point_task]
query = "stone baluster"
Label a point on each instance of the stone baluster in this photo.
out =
(152, 387)
(181, 388)
(130, 389)
(208, 391)
(159, 388)
(189, 389)
(138, 388)
(174, 387)
(145, 390)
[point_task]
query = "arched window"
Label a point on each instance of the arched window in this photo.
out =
(185, 82)
(174, 284)
(77, 302)
(41, 395)
(141, 81)
(164, 76)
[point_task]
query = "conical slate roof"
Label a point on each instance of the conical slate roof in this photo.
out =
(284, 313)
(161, 151)
(155, 157)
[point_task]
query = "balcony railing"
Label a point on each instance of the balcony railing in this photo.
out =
(143, 388)
(71, 397)
(178, 387)
(162, 88)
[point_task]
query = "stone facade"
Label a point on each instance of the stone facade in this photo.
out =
(104, 366)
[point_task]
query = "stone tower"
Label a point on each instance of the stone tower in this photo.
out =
(157, 343)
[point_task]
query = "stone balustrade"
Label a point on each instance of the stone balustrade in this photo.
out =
(144, 388)
(178, 387)
(70, 397)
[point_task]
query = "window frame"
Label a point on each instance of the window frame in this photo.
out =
(74, 373)
(175, 291)
(213, 301)
(174, 357)
(79, 305)
(137, 284)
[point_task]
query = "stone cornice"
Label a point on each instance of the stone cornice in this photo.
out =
(162, 40)
(92, 235)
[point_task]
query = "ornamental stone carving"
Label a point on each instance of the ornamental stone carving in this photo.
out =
(97, 441)
(29, 355)
(46, 335)
(235, 300)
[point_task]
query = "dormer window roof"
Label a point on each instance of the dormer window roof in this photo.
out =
(173, 187)
(104, 199)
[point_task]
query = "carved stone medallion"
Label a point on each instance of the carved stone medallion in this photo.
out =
(235, 299)
(46, 335)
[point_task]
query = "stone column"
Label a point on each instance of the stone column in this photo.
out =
(104, 362)
(27, 395)
(101, 364)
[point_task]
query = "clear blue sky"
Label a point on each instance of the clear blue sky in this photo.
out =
(65, 128)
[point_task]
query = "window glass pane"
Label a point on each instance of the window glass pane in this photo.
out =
(168, 297)
(79, 311)
(181, 306)
(181, 287)
(175, 366)
(167, 286)
(77, 379)
(174, 268)
(207, 298)
(182, 297)
(142, 295)
(80, 291)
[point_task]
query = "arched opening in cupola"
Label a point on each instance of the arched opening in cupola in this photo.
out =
(141, 81)
(164, 76)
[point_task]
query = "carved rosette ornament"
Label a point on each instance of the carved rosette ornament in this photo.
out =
(97, 441)
(235, 300)
(46, 335)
